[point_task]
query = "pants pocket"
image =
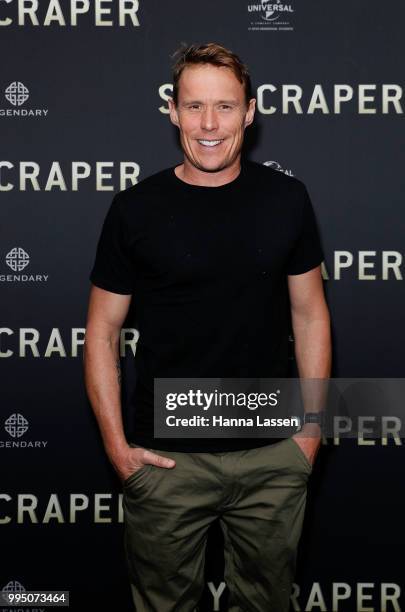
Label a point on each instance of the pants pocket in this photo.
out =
(300, 455)
(138, 474)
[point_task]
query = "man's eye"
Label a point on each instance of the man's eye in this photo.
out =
(194, 106)
(225, 106)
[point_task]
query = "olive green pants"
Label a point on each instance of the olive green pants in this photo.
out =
(259, 497)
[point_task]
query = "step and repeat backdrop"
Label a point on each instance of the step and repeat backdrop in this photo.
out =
(84, 86)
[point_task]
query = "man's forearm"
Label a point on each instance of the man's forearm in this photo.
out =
(313, 354)
(312, 341)
(103, 384)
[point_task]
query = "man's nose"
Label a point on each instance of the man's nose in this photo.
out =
(209, 119)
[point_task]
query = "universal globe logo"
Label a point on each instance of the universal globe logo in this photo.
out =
(271, 11)
(276, 166)
(17, 93)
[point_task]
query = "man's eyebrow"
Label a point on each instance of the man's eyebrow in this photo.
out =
(236, 102)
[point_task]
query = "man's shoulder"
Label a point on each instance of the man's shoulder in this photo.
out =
(150, 185)
(142, 198)
(266, 175)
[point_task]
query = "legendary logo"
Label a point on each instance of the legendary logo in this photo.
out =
(17, 259)
(17, 93)
(16, 425)
(13, 586)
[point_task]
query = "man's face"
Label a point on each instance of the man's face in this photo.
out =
(211, 115)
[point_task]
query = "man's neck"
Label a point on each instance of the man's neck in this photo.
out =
(194, 176)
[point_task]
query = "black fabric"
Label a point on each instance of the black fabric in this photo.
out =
(207, 267)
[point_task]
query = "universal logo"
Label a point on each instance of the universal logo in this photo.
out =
(270, 15)
(16, 425)
(16, 94)
(276, 166)
(18, 259)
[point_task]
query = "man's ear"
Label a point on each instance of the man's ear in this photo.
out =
(250, 113)
(174, 118)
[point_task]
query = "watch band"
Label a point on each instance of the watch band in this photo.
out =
(313, 417)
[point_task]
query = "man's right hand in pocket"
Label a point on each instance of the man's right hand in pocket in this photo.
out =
(133, 459)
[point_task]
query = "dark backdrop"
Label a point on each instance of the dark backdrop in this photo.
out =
(92, 97)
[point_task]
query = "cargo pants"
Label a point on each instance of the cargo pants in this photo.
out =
(259, 497)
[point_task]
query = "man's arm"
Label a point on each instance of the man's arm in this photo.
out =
(312, 340)
(106, 314)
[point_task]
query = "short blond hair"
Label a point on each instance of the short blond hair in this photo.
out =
(209, 53)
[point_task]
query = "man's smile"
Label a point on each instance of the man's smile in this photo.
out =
(209, 143)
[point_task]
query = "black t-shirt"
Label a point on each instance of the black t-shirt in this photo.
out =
(207, 268)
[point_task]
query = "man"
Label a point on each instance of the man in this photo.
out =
(216, 252)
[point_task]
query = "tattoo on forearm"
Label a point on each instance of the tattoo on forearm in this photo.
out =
(118, 366)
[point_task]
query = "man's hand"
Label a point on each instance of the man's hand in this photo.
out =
(133, 459)
(309, 440)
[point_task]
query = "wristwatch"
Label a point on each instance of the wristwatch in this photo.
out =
(314, 417)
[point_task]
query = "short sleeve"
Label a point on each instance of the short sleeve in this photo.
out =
(112, 269)
(307, 251)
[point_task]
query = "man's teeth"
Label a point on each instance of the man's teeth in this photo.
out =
(209, 143)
